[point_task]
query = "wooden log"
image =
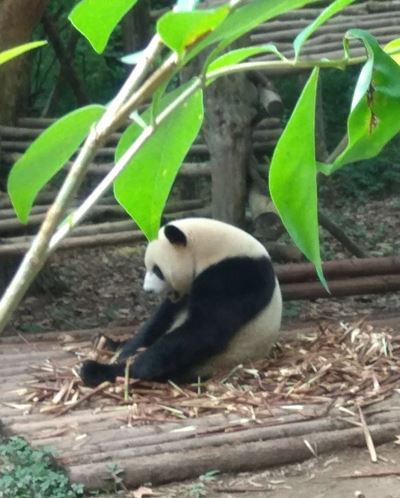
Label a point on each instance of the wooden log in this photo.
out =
(265, 218)
(42, 198)
(176, 466)
(267, 136)
(8, 212)
(114, 226)
(351, 11)
(172, 441)
(31, 122)
(324, 47)
(382, 6)
(12, 225)
(269, 123)
(21, 146)
(303, 272)
(129, 225)
(377, 284)
(364, 20)
(21, 245)
(288, 31)
(271, 101)
(190, 169)
(106, 446)
(20, 134)
(122, 238)
(195, 169)
(31, 128)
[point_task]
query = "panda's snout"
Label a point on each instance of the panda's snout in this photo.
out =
(153, 284)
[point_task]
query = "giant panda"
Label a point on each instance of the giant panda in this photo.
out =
(222, 305)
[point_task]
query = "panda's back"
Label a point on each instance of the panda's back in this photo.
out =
(251, 343)
(212, 241)
(219, 248)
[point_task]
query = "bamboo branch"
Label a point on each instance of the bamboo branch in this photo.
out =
(39, 250)
(77, 216)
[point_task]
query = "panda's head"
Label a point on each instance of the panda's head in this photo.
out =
(187, 247)
(169, 263)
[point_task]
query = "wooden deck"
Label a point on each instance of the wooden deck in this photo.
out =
(92, 437)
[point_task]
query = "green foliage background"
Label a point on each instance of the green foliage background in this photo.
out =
(371, 178)
(102, 74)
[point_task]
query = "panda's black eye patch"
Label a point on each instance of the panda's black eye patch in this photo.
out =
(158, 272)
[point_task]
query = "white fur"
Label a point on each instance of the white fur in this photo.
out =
(254, 341)
(154, 284)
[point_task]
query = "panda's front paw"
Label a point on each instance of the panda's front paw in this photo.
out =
(148, 366)
(94, 373)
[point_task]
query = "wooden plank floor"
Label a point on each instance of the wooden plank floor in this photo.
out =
(90, 438)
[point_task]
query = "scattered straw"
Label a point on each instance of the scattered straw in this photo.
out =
(347, 366)
(368, 439)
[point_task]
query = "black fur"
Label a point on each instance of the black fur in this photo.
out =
(94, 373)
(175, 236)
(223, 298)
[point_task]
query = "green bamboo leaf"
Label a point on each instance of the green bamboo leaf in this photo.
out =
(7, 55)
(46, 156)
(293, 176)
(326, 14)
(240, 54)
(374, 117)
(180, 30)
(238, 22)
(393, 49)
(143, 186)
(96, 19)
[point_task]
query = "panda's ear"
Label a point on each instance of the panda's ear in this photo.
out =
(175, 236)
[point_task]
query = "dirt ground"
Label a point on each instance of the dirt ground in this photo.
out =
(342, 475)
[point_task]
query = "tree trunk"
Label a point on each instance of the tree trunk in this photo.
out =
(228, 134)
(64, 56)
(136, 27)
(17, 21)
